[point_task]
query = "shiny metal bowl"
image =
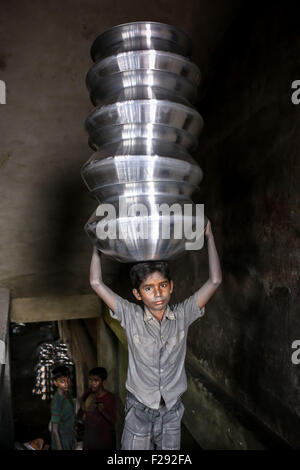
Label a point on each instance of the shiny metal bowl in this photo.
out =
(150, 132)
(150, 202)
(137, 168)
(142, 238)
(143, 84)
(137, 93)
(141, 146)
(144, 60)
(140, 35)
(166, 113)
(112, 192)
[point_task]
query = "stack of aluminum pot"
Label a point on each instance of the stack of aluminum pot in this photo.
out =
(142, 130)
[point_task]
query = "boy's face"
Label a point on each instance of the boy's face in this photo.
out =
(155, 291)
(63, 383)
(95, 383)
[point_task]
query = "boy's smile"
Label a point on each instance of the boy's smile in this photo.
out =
(155, 292)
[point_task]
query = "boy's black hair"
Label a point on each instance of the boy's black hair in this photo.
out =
(60, 371)
(140, 271)
(100, 372)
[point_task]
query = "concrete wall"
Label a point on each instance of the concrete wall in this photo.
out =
(249, 153)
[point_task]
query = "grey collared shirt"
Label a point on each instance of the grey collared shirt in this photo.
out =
(156, 350)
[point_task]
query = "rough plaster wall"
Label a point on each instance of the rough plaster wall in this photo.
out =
(250, 155)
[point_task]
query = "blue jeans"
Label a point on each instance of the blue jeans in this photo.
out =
(148, 429)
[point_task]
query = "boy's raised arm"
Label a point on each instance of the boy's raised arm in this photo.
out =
(97, 284)
(215, 273)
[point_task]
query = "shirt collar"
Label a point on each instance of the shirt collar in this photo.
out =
(168, 314)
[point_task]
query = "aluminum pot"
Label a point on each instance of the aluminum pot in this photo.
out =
(144, 60)
(142, 146)
(146, 112)
(137, 168)
(112, 192)
(138, 36)
(143, 84)
(143, 240)
(117, 134)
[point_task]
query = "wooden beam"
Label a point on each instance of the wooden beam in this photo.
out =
(54, 308)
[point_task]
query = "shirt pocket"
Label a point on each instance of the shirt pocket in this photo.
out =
(174, 346)
(144, 349)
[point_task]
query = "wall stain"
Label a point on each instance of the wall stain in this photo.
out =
(2, 63)
(4, 160)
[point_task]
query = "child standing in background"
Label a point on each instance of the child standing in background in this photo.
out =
(63, 435)
(98, 406)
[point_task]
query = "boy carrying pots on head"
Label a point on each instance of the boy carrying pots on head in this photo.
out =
(156, 334)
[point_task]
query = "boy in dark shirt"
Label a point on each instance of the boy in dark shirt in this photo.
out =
(99, 409)
(62, 412)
